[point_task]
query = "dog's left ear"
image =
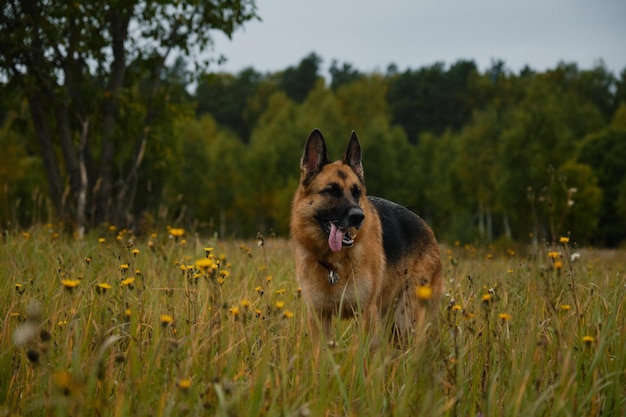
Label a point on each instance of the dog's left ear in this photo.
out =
(352, 157)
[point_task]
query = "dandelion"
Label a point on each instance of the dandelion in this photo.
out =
(221, 280)
(166, 320)
(554, 255)
(268, 279)
(259, 290)
(424, 292)
(224, 273)
(510, 270)
(280, 291)
(564, 239)
(457, 307)
(127, 282)
(204, 263)
(102, 288)
(208, 251)
(558, 264)
(234, 311)
(486, 298)
(258, 313)
(287, 314)
(504, 316)
(279, 305)
(184, 384)
(127, 312)
(70, 284)
(490, 256)
(588, 340)
(88, 260)
(245, 303)
(135, 252)
(565, 307)
(177, 232)
(102, 240)
(123, 267)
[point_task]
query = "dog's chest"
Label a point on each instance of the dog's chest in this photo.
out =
(337, 285)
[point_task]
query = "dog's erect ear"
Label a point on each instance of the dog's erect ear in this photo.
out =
(314, 157)
(352, 156)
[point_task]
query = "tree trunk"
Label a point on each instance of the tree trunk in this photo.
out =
(47, 153)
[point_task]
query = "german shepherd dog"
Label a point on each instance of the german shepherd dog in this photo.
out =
(359, 254)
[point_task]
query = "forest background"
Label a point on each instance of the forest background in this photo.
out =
(107, 118)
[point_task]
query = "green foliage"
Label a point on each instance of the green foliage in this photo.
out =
(172, 324)
(605, 152)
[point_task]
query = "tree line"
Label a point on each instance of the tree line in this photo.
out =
(95, 131)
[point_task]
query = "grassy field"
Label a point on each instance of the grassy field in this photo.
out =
(173, 324)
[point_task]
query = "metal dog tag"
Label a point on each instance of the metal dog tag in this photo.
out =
(333, 277)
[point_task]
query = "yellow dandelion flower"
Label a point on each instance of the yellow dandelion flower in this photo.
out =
(234, 311)
(102, 240)
(177, 232)
(510, 270)
(566, 307)
(123, 267)
(280, 291)
(588, 340)
(258, 313)
(183, 242)
(558, 264)
(424, 292)
(554, 255)
(564, 239)
(224, 273)
(245, 303)
(457, 307)
(102, 287)
(268, 278)
(204, 263)
(220, 280)
(166, 319)
(87, 260)
(70, 284)
(504, 316)
(127, 282)
(135, 252)
(279, 304)
(259, 290)
(127, 312)
(137, 271)
(208, 250)
(112, 228)
(184, 384)
(287, 314)
(490, 256)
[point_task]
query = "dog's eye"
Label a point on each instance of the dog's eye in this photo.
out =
(332, 190)
(356, 192)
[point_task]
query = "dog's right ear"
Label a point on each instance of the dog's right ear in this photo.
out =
(314, 157)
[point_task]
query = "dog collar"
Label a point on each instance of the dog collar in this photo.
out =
(333, 276)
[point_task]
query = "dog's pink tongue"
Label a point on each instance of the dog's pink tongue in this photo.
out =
(335, 238)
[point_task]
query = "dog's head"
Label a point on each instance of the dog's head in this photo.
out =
(335, 190)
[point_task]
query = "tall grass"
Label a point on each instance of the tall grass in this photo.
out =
(192, 326)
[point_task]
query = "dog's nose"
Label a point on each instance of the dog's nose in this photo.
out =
(355, 217)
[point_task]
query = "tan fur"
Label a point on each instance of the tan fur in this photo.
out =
(366, 284)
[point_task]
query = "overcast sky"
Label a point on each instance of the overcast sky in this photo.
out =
(370, 34)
